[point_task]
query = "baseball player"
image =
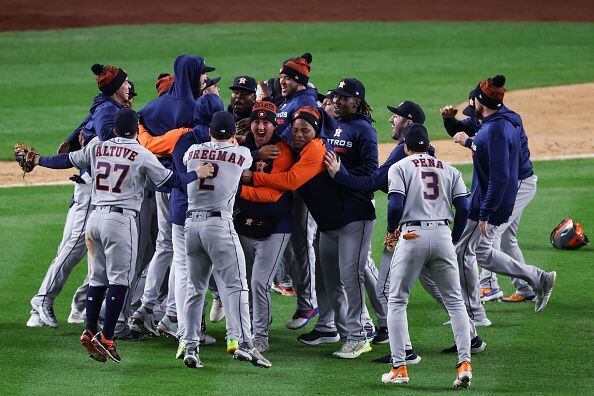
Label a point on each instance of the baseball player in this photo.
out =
(243, 97)
(462, 132)
(120, 169)
(422, 192)
(294, 77)
(211, 240)
(497, 155)
(345, 220)
(403, 115)
(264, 222)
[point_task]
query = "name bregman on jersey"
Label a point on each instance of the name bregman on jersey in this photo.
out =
(115, 151)
(216, 155)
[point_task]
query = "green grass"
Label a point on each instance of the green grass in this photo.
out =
(47, 85)
(549, 352)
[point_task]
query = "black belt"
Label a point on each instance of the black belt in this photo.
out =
(418, 223)
(190, 214)
(116, 209)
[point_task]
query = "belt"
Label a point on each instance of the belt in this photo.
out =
(205, 215)
(418, 223)
(116, 209)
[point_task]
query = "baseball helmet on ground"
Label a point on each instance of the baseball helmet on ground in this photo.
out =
(568, 235)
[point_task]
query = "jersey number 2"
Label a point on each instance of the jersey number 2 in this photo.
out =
(103, 172)
(209, 187)
(431, 188)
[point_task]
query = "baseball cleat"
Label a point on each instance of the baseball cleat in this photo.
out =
(261, 344)
(130, 335)
(381, 337)
(86, 340)
(144, 321)
(34, 319)
(516, 297)
(76, 316)
(464, 375)
(206, 340)
(485, 322)
(286, 290)
(301, 318)
(488, 294)
(191, 359)
(107, 347)
(232, 345)
(353, 349)
(397, 375)
(181, 347)
(370, 330)
(316, 337)
(46, 315)
(477, 345)
(411, 358)
(248, 353)
(167, 327)
(543, 296)
(216, 311)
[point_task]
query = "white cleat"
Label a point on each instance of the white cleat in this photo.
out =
(397, 375)
(216, 311)
(191, 359)
(34, 320)
(167, 327)
(46, 315)
(76, 316)
(542, 298)
(353, 349)
(482, 323)
(181, 347)
(464, 376)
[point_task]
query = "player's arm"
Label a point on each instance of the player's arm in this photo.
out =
(71, 143)
(453, 126)
(281, 164)
(105, 116)
(309, 165)
(163, 177)
(461, 205)
(160, 145)
(395, 209)
(377, 181)
(367, 153)
(59, 161)
(499, 155)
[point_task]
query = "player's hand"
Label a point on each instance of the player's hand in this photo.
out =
(63, 148)
(332, 163)
(205, 171)
(242, 127)
(461, 138)
(484, 227)
(269, 152)
(246, 176)
(391, 240)
(449, 111)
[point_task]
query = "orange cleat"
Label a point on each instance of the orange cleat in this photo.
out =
(464, 376)
(86, 340)
(516, 298)
(397, 375)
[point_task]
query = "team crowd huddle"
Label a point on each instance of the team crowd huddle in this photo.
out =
(276, 191)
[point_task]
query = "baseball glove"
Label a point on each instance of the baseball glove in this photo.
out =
(391, 240)
(25, 156)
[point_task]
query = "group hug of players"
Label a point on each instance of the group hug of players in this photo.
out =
(281, 183)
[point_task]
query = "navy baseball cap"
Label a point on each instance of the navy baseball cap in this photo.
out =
(415, 136)
(469, 110)
(322, 97)
(208, 69)
(244, 83)
(350, 87)
(210, 82)
(131, 93)
(409, 110)
(126, 122)
(222, 124)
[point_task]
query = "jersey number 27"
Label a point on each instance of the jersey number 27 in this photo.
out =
(104, 169)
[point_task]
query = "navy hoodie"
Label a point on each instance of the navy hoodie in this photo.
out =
(102, 122)
(496, 160)
(206, 106)
(284, 113)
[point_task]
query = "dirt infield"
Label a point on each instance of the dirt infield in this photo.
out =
(551, 133)
(58, 14)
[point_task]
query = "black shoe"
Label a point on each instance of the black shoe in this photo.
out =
(476, 346)
(381, 337)
(316, 337)
(383, 359)
(130, 335)
(411, 358)
(370, 330)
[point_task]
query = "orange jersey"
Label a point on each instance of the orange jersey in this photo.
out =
(160, 145)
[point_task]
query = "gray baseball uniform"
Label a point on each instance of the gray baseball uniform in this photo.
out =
(71, 250)
(211, 240)
(430, 187)
(121, 167)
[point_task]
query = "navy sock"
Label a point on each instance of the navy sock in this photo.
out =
(95, 296)
(116, 294)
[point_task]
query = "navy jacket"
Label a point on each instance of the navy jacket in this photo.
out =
(284, 113)
(206, 106)
(102, 122)
(496, 162)
(281, 209)
(379, 179)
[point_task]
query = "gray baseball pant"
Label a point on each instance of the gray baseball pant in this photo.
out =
(72, 247)
(302, 267)
(507, 240)
(157, 268)
(371, 280)
(213, 244)
(347, 248)
(434, 250)
(262, 259)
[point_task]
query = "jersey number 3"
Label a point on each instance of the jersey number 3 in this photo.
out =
(431, 185)
(104, 170)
